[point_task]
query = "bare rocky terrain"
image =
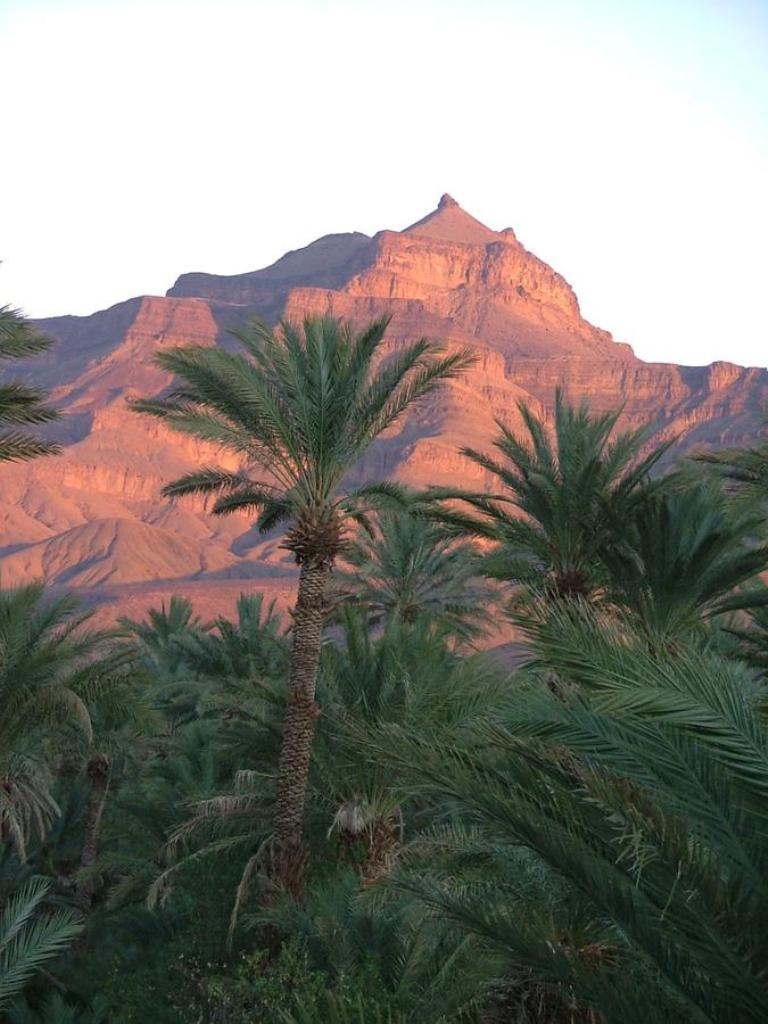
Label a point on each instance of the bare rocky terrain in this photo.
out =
(93, 517)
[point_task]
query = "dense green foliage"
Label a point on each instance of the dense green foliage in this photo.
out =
(577, 834)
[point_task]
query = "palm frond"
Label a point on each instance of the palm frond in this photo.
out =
(29, 938)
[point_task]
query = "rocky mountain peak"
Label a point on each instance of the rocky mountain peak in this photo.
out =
(450, 223)
(94, 516)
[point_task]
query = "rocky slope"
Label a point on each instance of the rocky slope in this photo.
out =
(93, 517)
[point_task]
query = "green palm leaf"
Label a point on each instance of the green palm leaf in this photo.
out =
(29, 939)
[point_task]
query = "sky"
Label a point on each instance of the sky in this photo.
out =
(626, 143)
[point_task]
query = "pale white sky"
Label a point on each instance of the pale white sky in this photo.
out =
(626, 142)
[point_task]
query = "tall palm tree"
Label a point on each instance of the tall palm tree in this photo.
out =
(299, 407)
(561, 497)
(411, 570)
(21, 405)
(51, 666)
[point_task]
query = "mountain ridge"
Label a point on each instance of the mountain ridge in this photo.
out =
(446, 276)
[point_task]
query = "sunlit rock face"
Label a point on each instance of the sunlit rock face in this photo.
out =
(93, 518)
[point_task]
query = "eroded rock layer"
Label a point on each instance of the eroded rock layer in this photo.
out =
(93, 517)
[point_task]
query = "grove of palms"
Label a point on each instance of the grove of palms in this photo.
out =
(357, 812)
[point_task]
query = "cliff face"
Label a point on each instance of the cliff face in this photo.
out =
(94, 518)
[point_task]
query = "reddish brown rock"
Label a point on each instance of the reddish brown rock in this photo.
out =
(93, 517)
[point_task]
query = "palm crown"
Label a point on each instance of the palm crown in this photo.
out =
(411, 570)
(51, 668)
(300, 407)
(562, 496)
(684, 559)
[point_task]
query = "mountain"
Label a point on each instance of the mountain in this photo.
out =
(109, 551)
(93, 517)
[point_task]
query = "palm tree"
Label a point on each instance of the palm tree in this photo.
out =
(192, 666)
(684, 559)
(251, 647)
(120, 719)
(51, 666)
(380, 956)
(21, 405)
(561, 497)
(406, 677)
(29, 937)
(411, 570)
(152, 803)
(97, 772)
(166, 644)
(743, 471)
(642, 791)
(300, 407)
(232, 823)
(163, 636)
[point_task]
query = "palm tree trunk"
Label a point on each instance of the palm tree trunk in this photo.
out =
(97, 773)
(301, 712)
(382, 842)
